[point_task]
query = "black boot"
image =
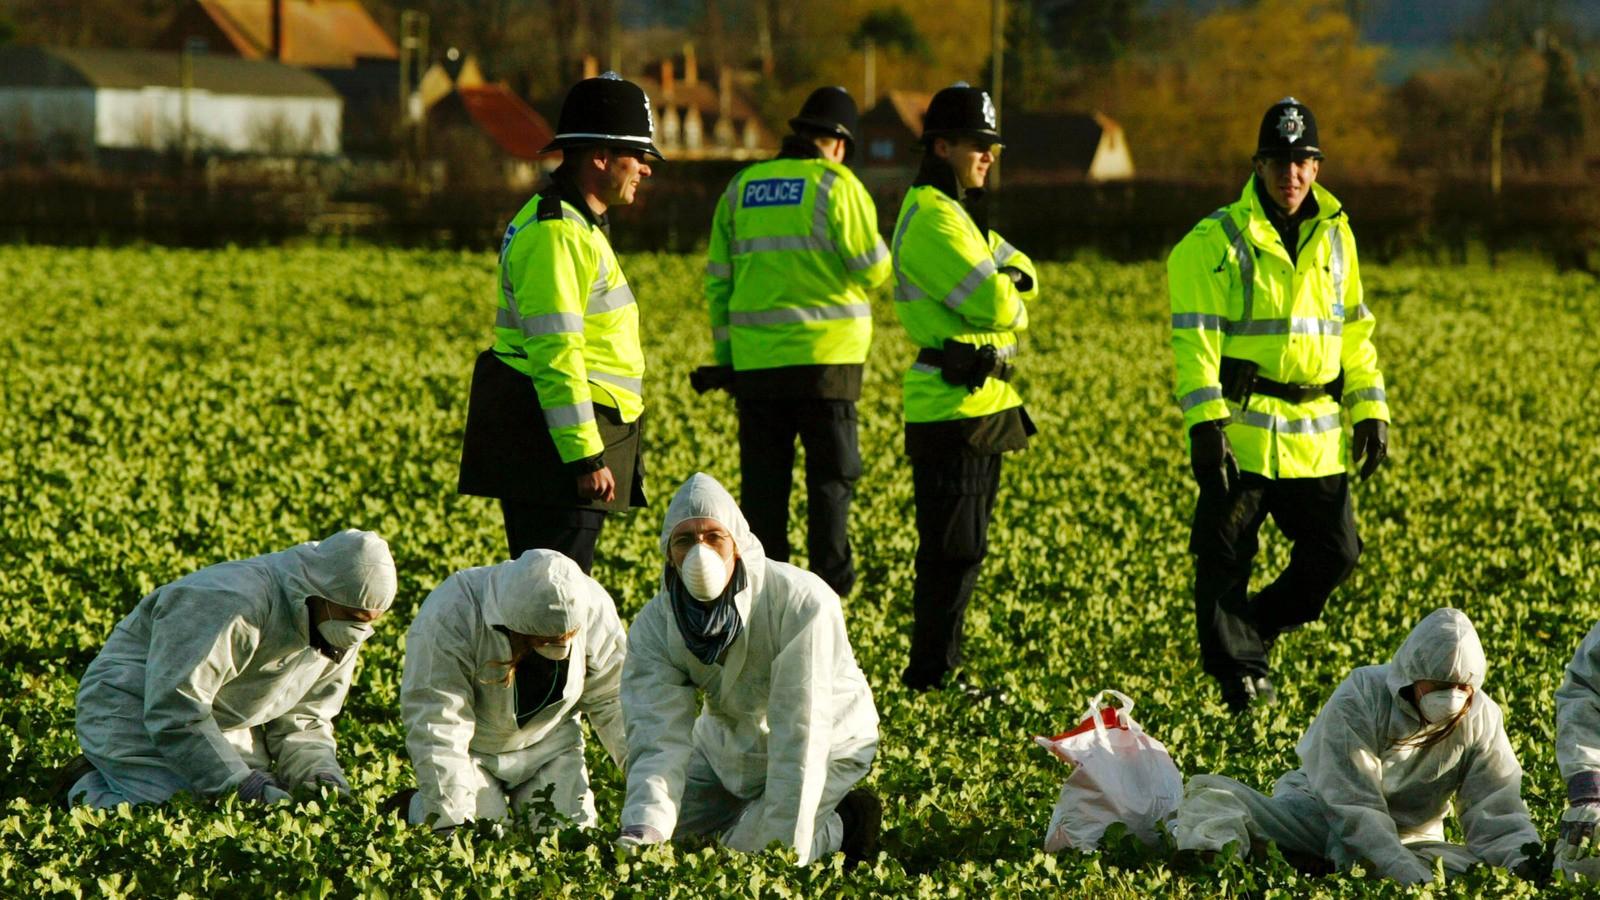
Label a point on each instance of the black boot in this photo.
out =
(398, 805)
(862, 814)
(1241, 691)
(66, 777)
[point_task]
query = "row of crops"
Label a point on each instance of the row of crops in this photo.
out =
(164, 410)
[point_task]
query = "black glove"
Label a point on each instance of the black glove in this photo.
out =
(1021, 279)
(1370, 440)
(1211, 458)
(711, 378)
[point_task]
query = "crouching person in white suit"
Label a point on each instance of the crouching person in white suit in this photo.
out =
(500, 661)
(1578, 754)
(787, 727)
(228, 679)
(1392, 751)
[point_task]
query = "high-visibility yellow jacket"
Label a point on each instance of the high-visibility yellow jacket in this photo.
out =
(1236, 294)
(568, 320)
(948, 285)
(794, 249)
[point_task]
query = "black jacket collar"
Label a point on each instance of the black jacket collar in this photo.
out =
(797, 147)
(566, 187)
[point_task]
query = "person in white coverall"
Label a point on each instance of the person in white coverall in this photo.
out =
(787, 727)
(1578, 755)
(1394, 749)
(499, 663)
(228, 679)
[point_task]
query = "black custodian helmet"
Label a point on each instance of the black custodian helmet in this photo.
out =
(1289, 131)
(830, 110)
(960, 110)
(606, 110)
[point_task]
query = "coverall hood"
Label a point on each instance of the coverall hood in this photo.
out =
(1443, 647)
(351, 568)
(539, 593)
(703, 497)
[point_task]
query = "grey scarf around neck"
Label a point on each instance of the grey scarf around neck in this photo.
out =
(708, 629)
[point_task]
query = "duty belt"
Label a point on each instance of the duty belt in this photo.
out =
(966, 365)
(1240, 382)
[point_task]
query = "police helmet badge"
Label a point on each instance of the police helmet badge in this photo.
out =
(988, 110)
(1291, 127)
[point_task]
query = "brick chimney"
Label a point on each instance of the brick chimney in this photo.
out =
(667, 83)
(691, 69)
(591, 66)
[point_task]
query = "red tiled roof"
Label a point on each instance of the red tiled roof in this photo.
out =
(511, 123)
(330, 33)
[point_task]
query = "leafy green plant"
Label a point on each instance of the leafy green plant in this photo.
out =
(168, 409)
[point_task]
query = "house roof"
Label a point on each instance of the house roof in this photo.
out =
(701, 95)
(331, 33)
(1033, 139)
(133, 69)
(509, 122)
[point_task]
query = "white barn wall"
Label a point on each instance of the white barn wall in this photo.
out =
(152, 119)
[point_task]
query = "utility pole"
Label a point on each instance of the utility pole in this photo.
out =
(413, 56)
(186, 90)
(997, 52)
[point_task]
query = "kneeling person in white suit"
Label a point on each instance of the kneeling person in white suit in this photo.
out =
(787, 727)
(228, 679)
(1392, 751)
(1578, 754)
(499, 663)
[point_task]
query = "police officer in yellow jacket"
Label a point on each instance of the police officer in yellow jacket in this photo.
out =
(1271, 335)
(794, 250)
(554, 422)
(961, 293)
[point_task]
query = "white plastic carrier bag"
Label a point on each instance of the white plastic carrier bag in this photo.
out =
(1120, 774)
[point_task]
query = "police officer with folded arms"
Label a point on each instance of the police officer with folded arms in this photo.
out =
(794, 250)
(554, 424)
(961, 293)
(1271, 336)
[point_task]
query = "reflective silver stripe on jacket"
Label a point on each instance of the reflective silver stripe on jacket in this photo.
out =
(781, 242)
(610, 300)
(819, 208)
(801, 314)
(719, 270)
(1209, 322)
(568, 416)
(1204, 321)
(1196, 397)
(548, 323)
(731, 198)
(924, 368)
(904, 290)
(1362, 311)
(982, 272)
(1258, 419)
(635, 385)
(867, 260)
(720, 333)
(1004, 252)
(1247, 262)
(1336, 265)
(1351, 398)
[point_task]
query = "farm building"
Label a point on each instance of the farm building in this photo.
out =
(696, 119)
(111, 106)
(1042, 147)
(323, 34)
(482, 131)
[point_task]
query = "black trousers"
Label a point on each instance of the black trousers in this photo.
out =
(571, 531)
(827, 430)
(955, 500)
(1237, 630)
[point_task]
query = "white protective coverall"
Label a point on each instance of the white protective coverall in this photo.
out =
(787, 727)
(472, 759)
(1357, 797)
(1578, 750)
(214, 675)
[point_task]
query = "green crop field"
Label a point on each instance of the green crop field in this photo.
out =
(164, 410)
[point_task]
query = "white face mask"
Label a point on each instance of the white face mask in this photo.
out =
(1440, 704)
(343, 634)
(556, 652)
(703, 573)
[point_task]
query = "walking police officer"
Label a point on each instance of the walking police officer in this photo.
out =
(794, 250)
(1270, 334)
(960, 292)
(554, 423)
